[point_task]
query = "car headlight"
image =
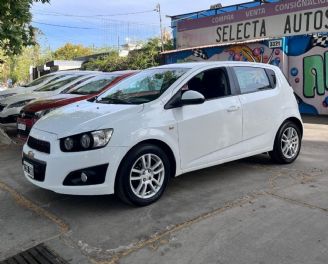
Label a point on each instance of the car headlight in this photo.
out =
(19, 104)
(6, 95)
(41, 113)
(86, 141)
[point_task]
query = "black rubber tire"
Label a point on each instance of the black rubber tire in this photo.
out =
(122, 184)
(276, 154)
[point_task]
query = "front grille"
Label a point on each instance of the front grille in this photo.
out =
(39, 168)
(9, 119)
(2, 107)
(25, 132)
(40, 145)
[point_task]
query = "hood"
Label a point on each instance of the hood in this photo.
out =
(17, 90)
(21, 97)
(82, 117)
(53, 102)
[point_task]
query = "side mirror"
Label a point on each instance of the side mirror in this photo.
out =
(191, 97)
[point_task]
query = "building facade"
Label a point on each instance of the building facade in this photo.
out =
(290, 34)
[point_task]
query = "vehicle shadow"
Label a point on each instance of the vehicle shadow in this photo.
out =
(311, 119)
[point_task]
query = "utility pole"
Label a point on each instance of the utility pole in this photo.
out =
(158, 9)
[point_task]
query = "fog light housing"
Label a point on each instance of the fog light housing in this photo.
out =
(87, 176)
(84, 177)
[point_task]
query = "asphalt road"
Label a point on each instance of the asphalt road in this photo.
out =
(248, 211)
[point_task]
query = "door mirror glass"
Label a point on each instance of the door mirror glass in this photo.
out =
(192, 97)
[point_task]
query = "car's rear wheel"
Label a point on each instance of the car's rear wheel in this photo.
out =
(287, 143)
(143, 175)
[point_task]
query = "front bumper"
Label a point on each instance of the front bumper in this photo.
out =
(59, 165)
(9, 115)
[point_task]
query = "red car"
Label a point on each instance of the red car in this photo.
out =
(93, 87)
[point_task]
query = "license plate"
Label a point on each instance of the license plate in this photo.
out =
(21, 126)
(29, 169)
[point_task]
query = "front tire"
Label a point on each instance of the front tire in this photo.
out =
(287, 144)
(143, 175)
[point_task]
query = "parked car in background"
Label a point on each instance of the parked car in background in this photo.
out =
(2, 88)
(163, 122)
(11, 107)
(86, 90)
(28, 88)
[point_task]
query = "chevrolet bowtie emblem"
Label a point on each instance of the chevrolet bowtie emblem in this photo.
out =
(30, 154)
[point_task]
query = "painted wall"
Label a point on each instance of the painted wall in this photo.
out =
(303, 59)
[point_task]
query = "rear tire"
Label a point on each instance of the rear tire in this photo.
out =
(287, 144)
(143, 175)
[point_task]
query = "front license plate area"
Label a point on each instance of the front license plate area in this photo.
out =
(29, 169)
(21, 126)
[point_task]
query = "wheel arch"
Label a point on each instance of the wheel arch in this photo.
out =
(296, 121)
(158, 143)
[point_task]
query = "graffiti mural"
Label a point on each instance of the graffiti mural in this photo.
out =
(303, 59)
(308, 72)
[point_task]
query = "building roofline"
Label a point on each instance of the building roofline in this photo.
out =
(217, 45)
(216, 9)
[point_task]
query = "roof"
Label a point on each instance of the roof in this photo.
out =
(191, 65)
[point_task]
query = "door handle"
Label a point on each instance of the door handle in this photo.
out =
(233, 108)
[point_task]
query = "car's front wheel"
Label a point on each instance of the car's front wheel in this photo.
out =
(143, 175)
(287, 143)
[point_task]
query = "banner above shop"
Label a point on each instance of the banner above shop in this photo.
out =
(275, 20)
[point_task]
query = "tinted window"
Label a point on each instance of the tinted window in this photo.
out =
(94, 85)
(56, 85)
(251, 79)
(272, 76)
(38, 81)
(212, 83)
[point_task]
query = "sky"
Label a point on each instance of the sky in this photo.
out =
(103, 23)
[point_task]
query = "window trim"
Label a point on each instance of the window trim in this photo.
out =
(235, 78)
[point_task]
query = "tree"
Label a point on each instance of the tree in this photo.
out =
(17, 67)
(16, 31)
(146, 56)
(70, 51)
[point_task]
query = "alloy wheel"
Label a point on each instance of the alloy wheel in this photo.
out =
(147, 176)
(289, 143)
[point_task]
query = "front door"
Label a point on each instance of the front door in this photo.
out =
(209, 132)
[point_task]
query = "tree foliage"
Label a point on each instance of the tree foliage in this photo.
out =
(16, 31)
(70, 51)
(146, 56)
(17, 67)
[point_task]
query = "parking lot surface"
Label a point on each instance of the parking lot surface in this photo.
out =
(248, 211)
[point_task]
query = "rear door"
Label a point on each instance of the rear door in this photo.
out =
(209, 132)
(259, 96)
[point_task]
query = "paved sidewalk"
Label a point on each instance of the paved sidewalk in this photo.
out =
(248, 211)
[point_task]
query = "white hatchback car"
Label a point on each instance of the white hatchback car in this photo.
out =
(163, 122)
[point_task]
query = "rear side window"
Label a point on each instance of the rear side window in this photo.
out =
(272, 77)
(252, 79)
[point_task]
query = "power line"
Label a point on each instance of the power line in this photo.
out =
(92, 16)
(64, 26)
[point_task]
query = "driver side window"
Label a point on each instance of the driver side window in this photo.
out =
(211, 84)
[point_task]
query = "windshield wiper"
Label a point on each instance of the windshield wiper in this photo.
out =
(113, 101)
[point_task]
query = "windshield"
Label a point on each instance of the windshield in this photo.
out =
(94, 85)
(56, 85)
(38, 81)
(143, 87)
